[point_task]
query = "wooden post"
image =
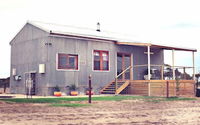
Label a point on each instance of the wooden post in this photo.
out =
(193, 60)
(5, 82)
(162, 72)
(131, 73)
(149, 61)
(173, 64)
(115, 85)
(131, 69)
(167, 89)
(149, 87)
(90, 89)
(149, 67)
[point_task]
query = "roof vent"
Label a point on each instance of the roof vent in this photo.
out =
(98, 27)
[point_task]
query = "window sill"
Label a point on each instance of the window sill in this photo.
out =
(101, 70)
(67, 69)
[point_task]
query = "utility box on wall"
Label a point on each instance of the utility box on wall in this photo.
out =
(41, 68)
(14, 72)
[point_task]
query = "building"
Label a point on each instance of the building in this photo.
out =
(49, 55)
(4, 85)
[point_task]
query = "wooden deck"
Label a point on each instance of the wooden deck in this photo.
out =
(159, 87)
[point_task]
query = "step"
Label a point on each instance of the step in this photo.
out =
(107, 92)
(117, 85)
(113, 87)
(110, 89)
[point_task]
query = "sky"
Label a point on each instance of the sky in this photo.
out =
(170, 22)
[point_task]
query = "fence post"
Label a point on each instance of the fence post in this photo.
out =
(90, 89)
(149, 88)
(167, 89)
(4, 90)
(162, 72)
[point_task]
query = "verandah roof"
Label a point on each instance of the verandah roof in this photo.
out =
(158, 46)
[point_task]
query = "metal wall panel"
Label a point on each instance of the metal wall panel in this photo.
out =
(32, 47)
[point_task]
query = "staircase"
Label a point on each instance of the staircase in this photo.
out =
(110, 88)
(116, 86)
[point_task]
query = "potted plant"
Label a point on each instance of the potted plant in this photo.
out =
(73, 90)
(57, 91)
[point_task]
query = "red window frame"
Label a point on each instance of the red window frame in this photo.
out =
(101, 60)
(67, 66)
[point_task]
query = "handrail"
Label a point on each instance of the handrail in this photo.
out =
(116, 86)
(135, 66)
(123, 71)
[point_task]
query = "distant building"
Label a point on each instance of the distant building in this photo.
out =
(4, 84)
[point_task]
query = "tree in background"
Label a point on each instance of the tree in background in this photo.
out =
(168, 73)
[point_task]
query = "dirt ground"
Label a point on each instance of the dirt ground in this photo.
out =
(131, 112)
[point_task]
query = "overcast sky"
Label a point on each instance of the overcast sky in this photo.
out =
(171, 22)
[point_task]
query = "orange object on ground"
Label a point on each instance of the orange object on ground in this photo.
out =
(57, 93)
(73, 93)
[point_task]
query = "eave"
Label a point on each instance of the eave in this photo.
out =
(157, 46)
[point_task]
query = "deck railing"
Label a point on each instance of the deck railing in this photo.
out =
(162, 72)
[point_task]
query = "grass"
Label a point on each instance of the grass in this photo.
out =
(102, 98)
(179, 99)
(69, 105)
(61, 99)
(160, 99)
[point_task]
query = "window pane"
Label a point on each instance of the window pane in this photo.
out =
(72, 62)
(67, 61)
(101, 60)
(119, 64)
(127, 63)
(96, 65)
(62, 62)
(105, 56)
(96, 56)
(105, 65)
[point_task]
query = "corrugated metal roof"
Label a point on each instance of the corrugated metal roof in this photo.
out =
(57, 29)
(80, 31)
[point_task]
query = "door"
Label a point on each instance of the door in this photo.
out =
(30, 83)
(123, 62)
(33, 89)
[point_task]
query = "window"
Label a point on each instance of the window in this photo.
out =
(67, 61)
(101, 60)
